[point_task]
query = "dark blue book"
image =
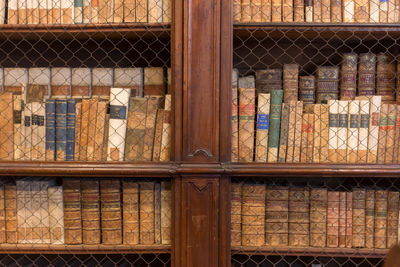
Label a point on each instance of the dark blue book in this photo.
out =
(50, 129)
(70, 129)
(61, 129)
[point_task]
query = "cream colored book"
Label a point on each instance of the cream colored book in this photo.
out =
(166, 131)
(78, 11)
(166, 205)
(155, 11)
(23, 206)
(118, 11)
(262, 126)
(35, 208)
(348, 11)
(374, 11)
(56, 214)
(352, 134)
(129, 78)
(291, 132)
(119, 101)
(392, 16)
(343, 111)
(333, 130)
(317, 133)
(14, 78)
(141, 11)
(324, 153)
(383, 11)
(373, 132)
(87, 11)
(22, 12)
(67, 11)
(18, 141)
(12, 12)
(297, 132)
(43, 12)
(167, 11)
(363, 132)
(56, 11)
(38, 131)
(44, 212)
(129, 11)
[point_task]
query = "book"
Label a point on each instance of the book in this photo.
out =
(23, 208)
(298, 10)
(317, 133)
(393, 10)
(6, 126)
(72, 211)
(34, 214)
(111, 217)
(328, 84)
(2, 216)
(130, 209)
(366, 74)
(154, 11)
(50, 129)
(60, 82)
(61, 129)
(349, 11)
(80, 81)
(56, 214)
(358, 218)
(287, 11)
(102, 79)
(246, 11)
(396, 154)
(235, 117)
(326, 10)
(343, 125)
(383, 122)
(12, 16)
(349, 219)
(383, 11)
(119, 101)
(153, 81)
(56, 12)
(167, 8)
(14, 79)
(381, 203)
(94, 5)
(45, 236)
(17, 116)
(391, 133)
(129, 11)
(291, 131)
(374, 11)
(317, 8)
(318, 216)
(256, 10)
(369, 218)
(157, 213)
(363, 131)
(299, 220)
(304, 136)
(283, 140)
(133, 78)
(267, 80)
(276, 10)
(70, 134)
(291, 75)
(348, 73)
(78, 11)
(277, 216)
(362, 11)
(273, 135)
(307, 90)
(392, 218)
(91, 128)
(236, 211)
(309, 11)
(353, 131)
(310, 138)
(332, 228)
(333, 130)
(246, 118)
(153, 103)
(166, 132)
(99, 144)
(297, 132)
(10, 202)
(166, 215)
(336, 11)
(67, 9)
(146, 213)
(90, 196)
(262, 127)
(38, 131)
(253, 214)
(385, 77)
(373, 132)
(342, 220)
(84, 128)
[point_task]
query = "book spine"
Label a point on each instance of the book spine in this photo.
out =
(2, 216)
(18, 142)
(324, 153)
(374, 11)
(256, 10)
(56, 214)
(328, 84)
(287, 11)
(72, 211)
(266, 10)
(154, 12)
(83, 136)
(277, 216)
(348, 11)
(396, 155)
(310, 138)
(266, 80)
(141, 11)
(333, 130)
(342, 220)
(307, 89)
(318, 215)
(369, 218)
(276, 11)
(383, 11)
(136, 127)
(362, 11)
(90, 195)
(342, 145)
(246, 123)
(297, 133)
(78, 119)
(275, 113)
(336, 11)
(349, 218)
(78, 11)
(391, 134)
(263, 112)
(317, 134)
(157, 213)
(100, 130)
(383, 122)
(23, 206)
(166, 134)
(152, 105)
(7, 127)
(283, 140)
(317, 7)
(381, 198)
(298, 10)
(363, 131)
(332, 229)
(366, 74)
(235, 120)
(95, 11)
(291, 131)
(392, 218)
(309, 11)
(236, 210)
(44, 218)
(130, 14)
(91, 132)
(22, 16)
(348, 81)
(10, 193)
(290, 79)
(299, 220)
(146, 213)
(353, 131)
(373, 132)
(130, 201)
(67, 11)
(326, 10)
(27, 130)
(111, 221)
(386, 77)
(70, 147)
(166, 205)
(12, 16)
(61, 129)
(358, 230)
(253, 214)
(304, 136)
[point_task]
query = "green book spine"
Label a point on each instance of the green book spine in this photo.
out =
(275, 123)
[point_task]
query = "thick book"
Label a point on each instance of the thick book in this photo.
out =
(392, 218)
(235, 118)
(83, 134)
(318, 215)
(17, 116)
(153, 103)
(298, 10)
(7, 127)
(291, 77)
(129, 11)
(381, 204)
(268, 80)
(353, 131)
(283, 140)
(157, 213)
(373, 131)
(72, 211)
(10, 202)
(236, 211)
(333, 130)
(383, 122)
(291, 131)
(328, 84)
(363, 131)
(2, 216)
(130, 212)
(100, 129)
(56, 214)
(262, 127)
(275, 117)
(317, 8)
(119, 102)
(366, 74)
(358, 230)
(332, 227)
(336, 11)
(348, 76)
(166, 215)
(385, 77)
(166, 132)
(50, 129)
(361, 12)
(317, 133)
(307, 90)
(90, 201)
(61, 129)
(287, 11)
(153, 81)
(391, 133)
(70, 145)
(343, 125)
(111, 217)
(146, 213)
(299, 217)
(349, 219)
(326, 10)
(256, 10)
(60, 82)
(297, 132)
(369, 217)
(253, 214)
(342, 220)
(277, 216)
(276, 10)
(91, 129)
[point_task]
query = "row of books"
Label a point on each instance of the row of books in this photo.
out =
(84, 11)
(281, 216)
(125, 128)
(325, 11)
(87, 82)
(364, 130)
(85, 211)
(364, 75)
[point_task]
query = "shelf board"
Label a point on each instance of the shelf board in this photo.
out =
(330, 252)
(82, 249)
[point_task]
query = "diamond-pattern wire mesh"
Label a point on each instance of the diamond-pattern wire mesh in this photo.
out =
(304, 221)
(313, 65)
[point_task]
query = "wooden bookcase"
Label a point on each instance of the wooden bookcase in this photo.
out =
(201, 39)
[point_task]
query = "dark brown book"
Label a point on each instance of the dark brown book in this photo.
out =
(307, 90)
(348, 80)
(90, 195)
(111, 225)
(291, 80)
(369, 218)
(385, 77)
(392, 218)
(358, 233)
(349, 218)
(253, 215)
(366, 74)
(268, 80)
(381, 205)
(130, 207)
(72, 211)
(318, 215)
(236, 210)
(332, 228)
(10, 197)
(342, 219)
(277, 216)
(299, 217)
(328, 84)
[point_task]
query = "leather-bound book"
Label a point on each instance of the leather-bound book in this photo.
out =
(374, 11)
(391, 133)
(50, 129)
(342, 219)
(276, 11)
(309, 10)
(385, 77)
(304, 136)
(61, 129)
(34, 213)
(24, 210)
(332, 227)
(299, 217)
(361, 12)
(44, 224)
(136, 127)
(153, 81)
(393, 11)
(111, 225)
(72, 211)
(235, 118)
(130, 209)
(290, 81)
(277, 216)
(102, 80)
(262, 127)
(358, 231)
(80, 82)
(157, 213)
(158, 135)
(291, 131)
(38, 131)
(275, 123)
(392, 218)
(7, 127)
(297, 133)
(256, 10)
(266, 10)
(307, 89)
(246, 11)
(373, 131)
(342, 145)
(298, 8)
(381, 205)
(237, 14)
(383, 11)
(56, 214)
(318, 216)
(90, 195)
(348, 77)
(2, 216)
(70, 146)
(369, 218)
(268, 80)
(398, 80)
(333, 130)
(383, 121)
(166, 132)
(91, 129)
(100, 130)
(353, 131)
(287, 11)
(10, 200)
(363, 131)
(253, 214)
(317, 134)
(328, 84)
(366, 74)
(349, 218)
(141, 9)
(324, 153)
(336, 11)
(326, 10)
(283, 140)
(166, 206)
(146, 213)
(18, 140)
(317, 8)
